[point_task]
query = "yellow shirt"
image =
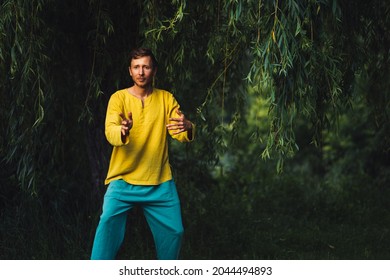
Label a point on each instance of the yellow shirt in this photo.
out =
(143, 159)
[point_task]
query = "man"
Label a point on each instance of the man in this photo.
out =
(138, 122)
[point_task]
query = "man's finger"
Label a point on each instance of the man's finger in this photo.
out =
(178, 132)
(172, 126)
(130, 116)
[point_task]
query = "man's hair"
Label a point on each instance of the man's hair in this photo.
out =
(142, 52)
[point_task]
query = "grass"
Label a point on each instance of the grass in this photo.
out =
(290, 219)
(283, 217)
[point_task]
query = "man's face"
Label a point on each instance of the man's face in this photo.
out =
(142, 71)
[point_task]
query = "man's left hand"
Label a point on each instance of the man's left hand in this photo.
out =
(179, 124)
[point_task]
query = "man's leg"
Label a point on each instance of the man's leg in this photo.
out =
(112, 225)
(163, 215)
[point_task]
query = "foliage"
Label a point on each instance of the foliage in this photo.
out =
(263, 80)
(300, 51)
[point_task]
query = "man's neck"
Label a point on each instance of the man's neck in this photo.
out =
(140, 92)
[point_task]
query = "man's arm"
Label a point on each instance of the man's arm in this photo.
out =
(181, 124)
(113, 123)
(126, 125)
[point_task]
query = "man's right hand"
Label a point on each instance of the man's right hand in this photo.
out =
(126, 124)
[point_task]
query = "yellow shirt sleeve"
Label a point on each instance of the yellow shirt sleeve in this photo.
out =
(113, 121)
(181, 137)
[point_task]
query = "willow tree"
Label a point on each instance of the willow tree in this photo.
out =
(60, 61)
(304, 56)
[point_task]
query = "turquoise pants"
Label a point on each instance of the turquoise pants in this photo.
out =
(161, 207)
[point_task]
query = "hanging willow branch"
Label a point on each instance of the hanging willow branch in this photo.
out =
(285, 47)
(24, 60)
(99, 37)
